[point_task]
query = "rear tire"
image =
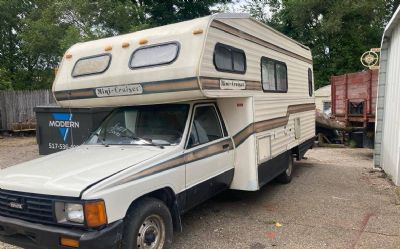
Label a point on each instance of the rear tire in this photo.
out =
(148, 225)
(286, 176)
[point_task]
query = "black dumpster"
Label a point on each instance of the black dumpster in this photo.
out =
(358, 138)
(62, 128)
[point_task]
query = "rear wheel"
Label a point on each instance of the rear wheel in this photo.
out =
(286, 176)
(148, 225)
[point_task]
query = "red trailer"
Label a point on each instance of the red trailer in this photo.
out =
(354, 98)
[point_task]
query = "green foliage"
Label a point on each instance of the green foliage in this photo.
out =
(34, 34)
(170, 11)
(262, 10)
(338, 32)
(5, 80)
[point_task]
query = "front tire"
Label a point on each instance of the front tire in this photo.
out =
(148, 225)
(286, 176)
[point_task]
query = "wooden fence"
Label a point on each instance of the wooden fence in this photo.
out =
(16, 108)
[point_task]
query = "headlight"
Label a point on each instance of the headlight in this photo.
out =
(91, 213)
(74, 213)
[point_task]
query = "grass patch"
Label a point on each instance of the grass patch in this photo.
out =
(352, 144)
(397, 192)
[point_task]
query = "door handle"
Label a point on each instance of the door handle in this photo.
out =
(225, 146)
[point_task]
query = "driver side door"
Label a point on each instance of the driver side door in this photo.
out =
(209, 155)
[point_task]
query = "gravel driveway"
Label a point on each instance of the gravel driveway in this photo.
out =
(334, 201)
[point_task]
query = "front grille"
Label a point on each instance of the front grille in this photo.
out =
(26, 207)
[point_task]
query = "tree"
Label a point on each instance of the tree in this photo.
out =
(34, 34)
(338, 32)
(11, 14)
(262, 10)
(170, 11)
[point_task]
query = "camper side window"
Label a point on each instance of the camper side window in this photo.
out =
(91, 65)
(229, 59)
(206, 126)
(154, 55)
(310, 86)
(273, 75)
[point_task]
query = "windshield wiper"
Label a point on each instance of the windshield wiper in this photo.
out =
(148, 141)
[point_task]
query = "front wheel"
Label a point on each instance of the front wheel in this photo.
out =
(148, 225)
(286, 176)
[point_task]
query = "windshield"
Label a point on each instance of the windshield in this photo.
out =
(143, 125)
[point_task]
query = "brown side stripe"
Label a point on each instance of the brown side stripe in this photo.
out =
(172, 86)
(265, 125)
(241, 34)
(208, 151)
(75, 94)
(300, 108)
(190, 157)
(217, 148)
(209, 83)
(170, 164)
(184, 84)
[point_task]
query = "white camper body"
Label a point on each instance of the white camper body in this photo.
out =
(285, 119)
(239, 93)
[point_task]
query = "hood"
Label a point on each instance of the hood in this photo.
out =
(69, 172)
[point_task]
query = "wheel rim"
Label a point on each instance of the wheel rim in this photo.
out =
(151, 233)
(290, 168)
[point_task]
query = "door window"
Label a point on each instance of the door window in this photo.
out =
(206, 126)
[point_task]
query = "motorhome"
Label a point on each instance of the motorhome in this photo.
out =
(215, 103)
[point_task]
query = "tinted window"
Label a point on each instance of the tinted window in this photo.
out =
(229, 59)
(154, 55)
(223, 59)
(239, 64)
(281, 74)
(310, 85)
(205, 126)
(91, 65)
(273, 75)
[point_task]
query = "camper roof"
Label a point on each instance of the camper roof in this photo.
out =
(154, 57)
(168, 30)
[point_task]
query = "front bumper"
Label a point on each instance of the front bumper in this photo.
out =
(36, 236)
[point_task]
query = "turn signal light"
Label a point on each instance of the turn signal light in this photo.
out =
(143, 41)
(95, 214)
(125, 44)
(69, 242)
(68, 56)
(198, 31)
(108, 48)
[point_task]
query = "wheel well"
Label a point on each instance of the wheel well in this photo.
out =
(166, 195)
